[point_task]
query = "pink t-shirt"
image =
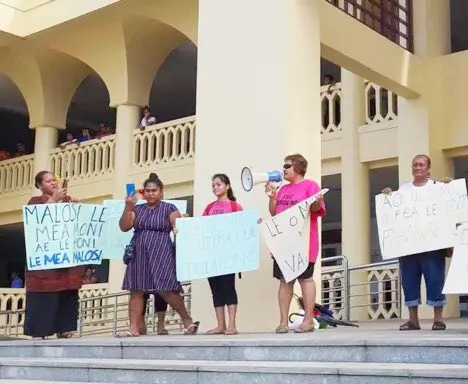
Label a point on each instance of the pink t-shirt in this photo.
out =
(290, 195)
(221, 207)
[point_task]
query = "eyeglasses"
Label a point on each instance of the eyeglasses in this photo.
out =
(287, 166)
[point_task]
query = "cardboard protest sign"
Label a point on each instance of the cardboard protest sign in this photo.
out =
(63, 235)
(287, 235)
(217, 245)
(420, 219)
(116, 239)
(457, 277)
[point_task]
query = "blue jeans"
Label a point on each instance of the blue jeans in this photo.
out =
(431, 265)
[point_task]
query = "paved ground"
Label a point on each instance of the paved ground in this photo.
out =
(387, 331)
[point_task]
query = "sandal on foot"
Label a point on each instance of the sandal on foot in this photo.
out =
(439, 326)
(231, 332)
(409, 326)
(214, 331)
(162, 332)
(192, 328)
(124, 334)
(282, 329)
(66, 335)
(304, 330)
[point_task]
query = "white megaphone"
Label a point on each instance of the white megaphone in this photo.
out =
(250, 178)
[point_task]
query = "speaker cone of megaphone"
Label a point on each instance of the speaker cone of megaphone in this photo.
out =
(250, 178)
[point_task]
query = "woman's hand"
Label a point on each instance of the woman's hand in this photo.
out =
(270, 190)
(59, 195)
(387, 191)
(317, 204)
(130, 202)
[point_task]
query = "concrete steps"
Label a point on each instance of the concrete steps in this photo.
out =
(208, 372)
(250, 348)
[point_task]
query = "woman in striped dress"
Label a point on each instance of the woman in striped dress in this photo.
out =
(153, 268)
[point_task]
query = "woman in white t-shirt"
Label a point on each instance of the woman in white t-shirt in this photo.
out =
(431, 264)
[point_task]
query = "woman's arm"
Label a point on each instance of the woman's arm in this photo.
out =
(127, 220)
(172, 218)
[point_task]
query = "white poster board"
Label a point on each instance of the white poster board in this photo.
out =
(457, 278)
(420, 219)
(287, 236)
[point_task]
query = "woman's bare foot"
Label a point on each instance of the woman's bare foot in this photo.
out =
(231, 332)
(216, 331)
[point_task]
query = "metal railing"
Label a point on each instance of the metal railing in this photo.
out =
(345, 293)
(106, 314)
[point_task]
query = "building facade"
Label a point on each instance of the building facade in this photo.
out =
(358, 87)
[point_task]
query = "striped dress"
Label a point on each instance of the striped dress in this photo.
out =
(153, 269)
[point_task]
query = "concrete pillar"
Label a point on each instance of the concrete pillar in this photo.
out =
(258, 99)
(128, 117)
(46, 140)
(355, 191)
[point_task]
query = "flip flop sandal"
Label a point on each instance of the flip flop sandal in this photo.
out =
(162, 332)
(121, 335)
(192, 329)
(304, 330)
(439, 326)
(281, 329)
(214, 332)
(409, 326)
(231, 332)
(66, 335)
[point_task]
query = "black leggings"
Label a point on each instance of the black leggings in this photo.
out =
(223, 289)
(160, 304)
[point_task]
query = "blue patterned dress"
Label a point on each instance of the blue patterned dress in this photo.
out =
(153, 269)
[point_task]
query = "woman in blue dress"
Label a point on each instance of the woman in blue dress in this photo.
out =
(153, 267)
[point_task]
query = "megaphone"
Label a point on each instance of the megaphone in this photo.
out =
(250, 178)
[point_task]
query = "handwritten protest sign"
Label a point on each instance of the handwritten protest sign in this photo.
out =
(457, 277)
(420, 219)
(287, 235)
(217, 245)
(116, 240)
(63, 235)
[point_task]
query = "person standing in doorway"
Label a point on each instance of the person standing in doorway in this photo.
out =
(223, 288)
(430, 264)
(298, 189)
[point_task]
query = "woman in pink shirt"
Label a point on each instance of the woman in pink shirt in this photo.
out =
(298, 189)
(223, 288)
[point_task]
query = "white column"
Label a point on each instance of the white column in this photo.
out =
(128, 117)
(258, 100)
(46, 140)
(355, 208)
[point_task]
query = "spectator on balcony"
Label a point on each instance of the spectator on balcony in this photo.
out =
(85, 135)
(16, 280)
(147, 119)
(52, 295)
(104, 130)
(298, 189)
(431, 264)
(20, 149)
(69, 140)
(330, 81)
(151, 259)
(90, 276)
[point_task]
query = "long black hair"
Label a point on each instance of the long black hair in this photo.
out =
(225, 179)
(153, 178)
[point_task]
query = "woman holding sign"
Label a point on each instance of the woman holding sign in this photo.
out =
(152, 268)
(298, 189)
(431, 264)
(223, 288)
(52, 295)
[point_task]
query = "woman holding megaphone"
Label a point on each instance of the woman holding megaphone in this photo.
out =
(298, 189)
(223, 288)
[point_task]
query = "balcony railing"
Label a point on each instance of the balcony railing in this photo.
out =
(391, 18)
(330, 96)
(16, 175)
(92, 159)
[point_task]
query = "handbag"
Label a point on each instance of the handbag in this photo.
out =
(130, 250)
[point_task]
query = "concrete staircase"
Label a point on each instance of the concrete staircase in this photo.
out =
(328, 356)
